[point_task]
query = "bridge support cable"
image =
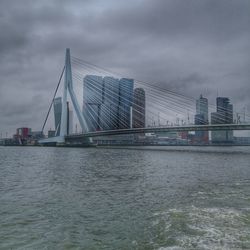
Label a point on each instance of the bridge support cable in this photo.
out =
(111, 95)
(107, 113)
(110, 106)
(157, 107)
(154, 88)
(151, 87)
(58, 84)
(105, 71)
(158, 99)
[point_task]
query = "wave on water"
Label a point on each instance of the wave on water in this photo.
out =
(202, 228)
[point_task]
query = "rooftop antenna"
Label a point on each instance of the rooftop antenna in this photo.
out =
(206, 92)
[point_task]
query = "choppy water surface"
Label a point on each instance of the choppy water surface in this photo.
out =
(95, 198)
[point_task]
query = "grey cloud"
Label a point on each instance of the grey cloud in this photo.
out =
(188, 46)
(206, 18)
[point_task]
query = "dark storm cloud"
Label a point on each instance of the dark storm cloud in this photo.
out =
(186, 45)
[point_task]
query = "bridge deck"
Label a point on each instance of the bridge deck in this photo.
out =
(211, 127)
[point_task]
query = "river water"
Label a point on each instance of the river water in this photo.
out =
(140, 198)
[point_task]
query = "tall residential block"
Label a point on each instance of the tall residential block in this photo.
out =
(126, 87)
(107, 102)
(224, 115)
(110, 107)
(139, 108)
(92, 100)
(202, 108)
(201, 118)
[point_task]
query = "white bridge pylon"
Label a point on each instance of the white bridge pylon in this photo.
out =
(68, 86)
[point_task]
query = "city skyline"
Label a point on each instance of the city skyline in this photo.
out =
(162, 42)
(125, 124)
(94, 96)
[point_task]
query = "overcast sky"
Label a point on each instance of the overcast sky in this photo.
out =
(189, 46)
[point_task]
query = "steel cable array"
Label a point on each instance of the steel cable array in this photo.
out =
(163, 106)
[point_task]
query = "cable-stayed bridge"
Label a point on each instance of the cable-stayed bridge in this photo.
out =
(106, 104)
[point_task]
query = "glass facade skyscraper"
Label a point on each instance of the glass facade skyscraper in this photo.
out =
(92, 100)
(126, 87)
(224, 109)
(139, 108)
(201, 118)
(109, 109)
(202, 108)
(224, 115)
(107, 102)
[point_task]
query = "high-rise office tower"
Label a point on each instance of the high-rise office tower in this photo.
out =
(107, 102)
(57, 114)
(225, 109)
(92, 100)
(139, 108)
(224, 115)
(201, 118)
(109, 109)
(126, 87)
(202, 108)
